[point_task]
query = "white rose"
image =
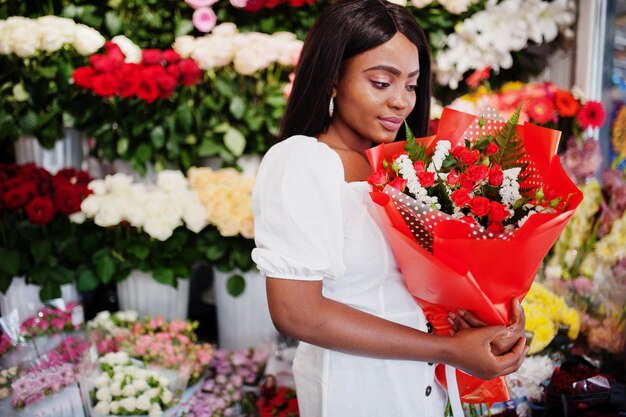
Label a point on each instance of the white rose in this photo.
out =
(118, 377)
(55, 32)
(98, 187)
(87, 40)
(167, 397)
(118, 182)
(102, 381)
(129, 404)
(143, 403)
(152, 392)
(108, 215)
(159, 229)
(225, 29)
(163, 381)
(184, 45)
(78, 217)
(155, 411)
(103, 407)
(103, 394)
(116, 388)
(195, 217)
(25, 39)
(171, 180)
(135, 215)
(131, 51)
(128, 390)
(90, 205)
(114, 407)
(421, 3)
(398, 2)
(140, 385)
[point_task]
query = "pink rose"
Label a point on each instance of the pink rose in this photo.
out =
(204, 19)
(240, 4)
(197, 4)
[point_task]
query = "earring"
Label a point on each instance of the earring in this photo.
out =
(331, 107)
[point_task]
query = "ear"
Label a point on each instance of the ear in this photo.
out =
(334, 93)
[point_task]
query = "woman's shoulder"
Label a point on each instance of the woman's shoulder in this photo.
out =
(304, 151)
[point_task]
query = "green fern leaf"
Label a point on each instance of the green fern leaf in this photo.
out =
(510, 144)
(417, 152)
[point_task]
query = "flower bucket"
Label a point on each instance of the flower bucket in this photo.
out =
(67, 151)
(142, 293)
(242, 321)
(25, 299)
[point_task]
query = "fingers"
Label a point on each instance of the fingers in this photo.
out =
(457, 323)
(517, 363)
(517, 310)
(471, 318)
(512, 360)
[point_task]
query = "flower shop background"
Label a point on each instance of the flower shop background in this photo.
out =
(145, 121)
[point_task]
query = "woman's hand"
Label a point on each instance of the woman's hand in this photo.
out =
(516, 328)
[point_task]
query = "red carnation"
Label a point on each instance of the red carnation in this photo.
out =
(67, 199)
(105, 85)
(426, 178)
(460, 197)
(398, 183)
(83, 76)
(171, 56)
(468, 157)
(491, 149)
(566, 104)
(479, 206)
(495, 227)
(151, 56)
(466, 182)
(591, 114)
(147, 90)
(378, 178)
(418, 166)
(540, 109)
(477, 173)
(453, 177)
(495, 175)
(497, 212)
(40, 210)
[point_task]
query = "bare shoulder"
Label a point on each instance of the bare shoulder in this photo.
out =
(355, 166)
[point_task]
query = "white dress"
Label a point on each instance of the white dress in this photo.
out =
(312, 225)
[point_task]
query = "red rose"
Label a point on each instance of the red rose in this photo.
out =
(477, 173)
(67, 199)
(453, 177)
(460, 197)
(174, 71)
(254, 5)
(495, 227)
(152, 72)
(468, 219)
(378, 178)
(40, 210)
(166, 82)
(15, 198)
(418, 166)
(426, 178)
(128, 87)
(398, 183)
(171, 56)
(495, 175)
(147, 90)
(103, 63)
(466, 182)
(497, 212)
(113, 51)
(469, 157)
(67, 173)
(479, 206)
(105, 85)
(491, 148)
(457, 150)
(188, 66)
(191, 79)
(151, 56)
(83, 76)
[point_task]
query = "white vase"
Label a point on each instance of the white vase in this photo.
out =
(25, 299)
(142, 293)
(242, 321)
(67, 152)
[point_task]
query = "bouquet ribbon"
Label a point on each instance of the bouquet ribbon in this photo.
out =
(463, 270)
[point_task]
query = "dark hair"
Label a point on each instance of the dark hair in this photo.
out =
(345, 29)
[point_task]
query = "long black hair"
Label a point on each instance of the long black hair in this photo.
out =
(345, 29)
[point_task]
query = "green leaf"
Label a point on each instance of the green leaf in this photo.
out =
(29, 122)
(237, 107)
(140, 251)
(122, 146)
(19, 93)
(510, 144)
(183, 27)
(48, 72)
(143, 153)
(235, 141)
(5, 282)
(41, 250)
(157, 137)
(215, 252)
(86, 280)
(49, 291)
(416, 151)
(236, 285)
(113, 23)
(164, 276)
(105, 268)
(184, 118)
(225, 87)
(208, 148)
(10, 261)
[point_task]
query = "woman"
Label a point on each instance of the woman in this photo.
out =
(332, 281)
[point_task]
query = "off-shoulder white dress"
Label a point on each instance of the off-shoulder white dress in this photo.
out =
(312, 225)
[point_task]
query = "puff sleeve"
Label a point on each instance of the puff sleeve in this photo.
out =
(298, 216)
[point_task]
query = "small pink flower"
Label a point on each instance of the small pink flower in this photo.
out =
(197, 4)
(204, 19)
(239, 3)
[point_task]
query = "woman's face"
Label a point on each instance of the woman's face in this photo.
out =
(376, 90)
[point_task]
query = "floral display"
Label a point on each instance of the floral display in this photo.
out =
(618, 133)
(512, 24)
(279, 402)
(528, 380)
(157, 209)
(545, 312)
(50, 321)
(6, 344)
(452, 6)
(249, 52)
(112, 324)
(125, 389)
(156, 76)
(7, 376)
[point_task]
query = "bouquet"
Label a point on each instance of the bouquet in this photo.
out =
(454, 204)
(50, 321)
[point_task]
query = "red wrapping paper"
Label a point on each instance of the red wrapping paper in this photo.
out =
(481, 276)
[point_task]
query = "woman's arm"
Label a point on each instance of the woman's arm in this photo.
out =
(298, 309)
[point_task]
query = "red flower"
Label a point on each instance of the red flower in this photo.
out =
(479, 206)
(151, 56)
(170, 56)
(254, 5)
(468, 157)
(190, 70)
(468, 219)
(497, 212)
(15, 198)
(398, 183)
(147, 90)
(166, 82)
(460, 197)
(83, 77)
(418, 166)
(128, 87)
(477, 76)
(466, 182)
(426, 178)
(491, 148)
(566, 104)
(591, 114)
(378, 178)
(174, 71)
(495, 227)
(453, 177)
(540, 109)
(40, 210)
(456, 152)
(105, 85)
(112, 50)
(477, 172)
(67, 199)
(103, 63)
(397, 155)
(495, 175)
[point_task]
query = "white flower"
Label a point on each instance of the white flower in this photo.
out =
(171, 180)
(195, 217)
(421, 3)
(153, 393)
(24, 37)
(163, 381)
(87, 40)
(456, 6)
(102, 381)
(103, 394)
(118, 182)
(225, 29)
(78, 217)
(102, 407)
(155, 411)
(167, 397)
(131, 51)
(128, 390)
(116, 387)
(159, 229)
(129, 404)
(143, 403)
(184, 45)
(115, 407)
(140, 385)
(55, 32)
(398, 2)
